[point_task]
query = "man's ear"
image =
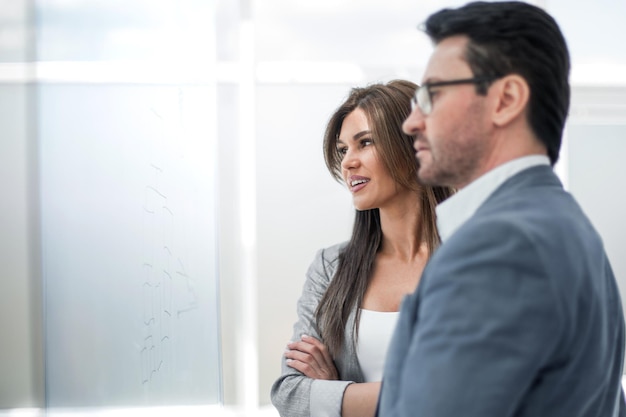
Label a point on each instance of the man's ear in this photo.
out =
(513, 94)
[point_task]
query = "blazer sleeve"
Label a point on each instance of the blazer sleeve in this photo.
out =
(294, 394)
(487, 320)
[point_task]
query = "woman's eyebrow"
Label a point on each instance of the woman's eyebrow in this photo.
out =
(357, 136)
(361, 134)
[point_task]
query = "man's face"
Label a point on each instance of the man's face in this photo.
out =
(452, 141)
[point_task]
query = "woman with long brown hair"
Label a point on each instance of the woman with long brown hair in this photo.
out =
(352, 294)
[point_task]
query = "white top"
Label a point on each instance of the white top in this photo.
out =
(456, 210)
(375, 331)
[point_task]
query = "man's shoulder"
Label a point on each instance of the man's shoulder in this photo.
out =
(535, 226)
(538, 218)
(533, 200)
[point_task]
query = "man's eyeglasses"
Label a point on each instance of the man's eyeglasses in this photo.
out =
(423, 96)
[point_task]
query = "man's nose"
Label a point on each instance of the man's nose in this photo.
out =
(414, 123)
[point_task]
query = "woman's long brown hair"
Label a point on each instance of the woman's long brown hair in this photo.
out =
(386, 106)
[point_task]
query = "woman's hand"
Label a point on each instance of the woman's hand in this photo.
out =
(311, 357)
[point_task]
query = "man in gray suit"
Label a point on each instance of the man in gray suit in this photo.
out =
(518, 312)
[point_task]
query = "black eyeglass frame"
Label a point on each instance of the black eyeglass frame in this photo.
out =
(423, 97)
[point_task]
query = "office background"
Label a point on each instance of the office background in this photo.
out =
(218, 107)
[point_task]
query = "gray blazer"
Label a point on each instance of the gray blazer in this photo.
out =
(293, 393)
(517, 314)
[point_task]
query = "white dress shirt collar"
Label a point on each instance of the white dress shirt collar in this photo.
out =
(456, 210)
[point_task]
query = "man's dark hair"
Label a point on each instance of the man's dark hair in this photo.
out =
(515, 38)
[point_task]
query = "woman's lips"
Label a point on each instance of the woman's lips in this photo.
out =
(357, 183)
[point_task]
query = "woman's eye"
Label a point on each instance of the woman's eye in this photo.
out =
(366, 142)
(342, 151)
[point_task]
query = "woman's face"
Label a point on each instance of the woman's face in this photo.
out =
(363, 171)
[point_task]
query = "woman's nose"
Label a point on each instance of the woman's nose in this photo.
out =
(350, 159)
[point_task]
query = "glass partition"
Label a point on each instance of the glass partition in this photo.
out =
(126, 105)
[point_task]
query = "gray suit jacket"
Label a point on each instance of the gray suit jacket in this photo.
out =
(517, 314)
(293, 393)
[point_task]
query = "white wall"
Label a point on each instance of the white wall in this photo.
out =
(300, 208)
(21, 358)
(21, 361)
(594, 152)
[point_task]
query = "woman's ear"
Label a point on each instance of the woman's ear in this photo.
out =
(512, 98)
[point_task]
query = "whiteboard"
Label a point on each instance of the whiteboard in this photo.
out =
(128, 232)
